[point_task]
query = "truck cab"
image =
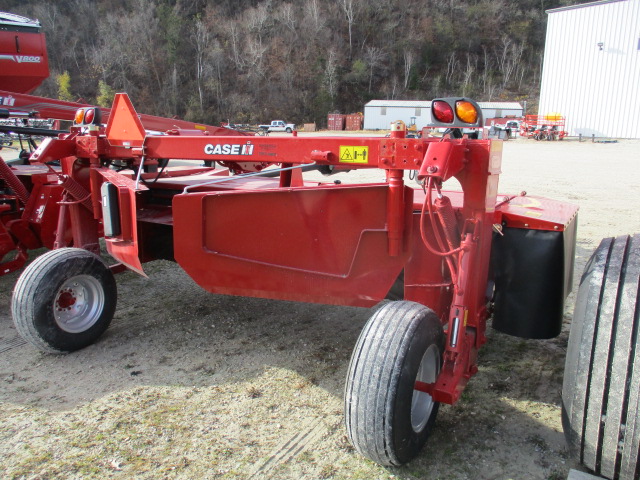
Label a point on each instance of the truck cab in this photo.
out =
(278, 126)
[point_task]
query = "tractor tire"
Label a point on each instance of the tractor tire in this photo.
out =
(601, 389)
(64, 300)
(386, 419)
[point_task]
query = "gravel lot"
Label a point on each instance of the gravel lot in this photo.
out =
(189, 385)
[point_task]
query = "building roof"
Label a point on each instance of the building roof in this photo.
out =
(582, 5)
(501, 105)
(427, 104)
(399, 103)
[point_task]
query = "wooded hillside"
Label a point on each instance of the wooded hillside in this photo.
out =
(250, 61)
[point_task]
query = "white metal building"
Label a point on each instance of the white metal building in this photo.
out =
(378, 114)
(591, 69)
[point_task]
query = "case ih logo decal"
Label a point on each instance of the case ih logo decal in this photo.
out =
(228, 149)
(21, 58)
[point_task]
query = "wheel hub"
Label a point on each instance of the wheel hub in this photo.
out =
(65, 300)
(78, 303)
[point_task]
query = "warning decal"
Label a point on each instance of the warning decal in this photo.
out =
(354, 154)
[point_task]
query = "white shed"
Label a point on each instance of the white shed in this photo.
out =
(591, 69)
(378, 114)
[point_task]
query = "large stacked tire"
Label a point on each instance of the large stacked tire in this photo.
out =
(388, 420)
(64, 300)
(601, 390)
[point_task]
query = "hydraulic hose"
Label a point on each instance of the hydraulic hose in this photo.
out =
(14, 182)
(76, 190)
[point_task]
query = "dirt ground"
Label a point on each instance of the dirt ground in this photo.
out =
(189, 385)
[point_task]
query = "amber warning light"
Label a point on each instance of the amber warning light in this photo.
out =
(466, 112)
(79, 117)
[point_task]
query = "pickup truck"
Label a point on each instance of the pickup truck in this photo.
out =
(278, 126)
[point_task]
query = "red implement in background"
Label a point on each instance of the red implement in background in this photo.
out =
(23, 55)
(543, 127)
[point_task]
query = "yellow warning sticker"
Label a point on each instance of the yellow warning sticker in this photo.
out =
(354, 154)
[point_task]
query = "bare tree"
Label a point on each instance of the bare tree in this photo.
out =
(467, 76)
(313, 12)
(491, 90)
(216, 81)
(437, 86)
(287, 17)
(373, 56)
(392, 87)
(234, 39)
(200, 39)
(508, 57)
(258, 20)
(255, 54)
(409, 59)
(452, 63)
(486, 67)
(331, 74)
(348, 6)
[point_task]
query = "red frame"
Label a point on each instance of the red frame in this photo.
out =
(533, 124)
(289, 239)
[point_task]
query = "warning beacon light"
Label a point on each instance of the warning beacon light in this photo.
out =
(442, 111)
(87, 116)
(455, 113)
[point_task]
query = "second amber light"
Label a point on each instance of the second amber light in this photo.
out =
(466, 112)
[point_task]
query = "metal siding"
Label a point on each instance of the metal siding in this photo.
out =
(405, 113)
(598, 91)
(373, 119)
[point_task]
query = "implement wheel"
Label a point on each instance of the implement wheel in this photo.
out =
(601, 390)
(386, 419)
(64, 300)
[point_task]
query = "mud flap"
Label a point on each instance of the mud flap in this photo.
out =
(533, 270)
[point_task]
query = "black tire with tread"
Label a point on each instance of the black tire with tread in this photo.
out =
(380, 381)
(33, 299)
(601, 389)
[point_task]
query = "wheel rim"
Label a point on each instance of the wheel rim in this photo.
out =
(421, 403)
(78, 303)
